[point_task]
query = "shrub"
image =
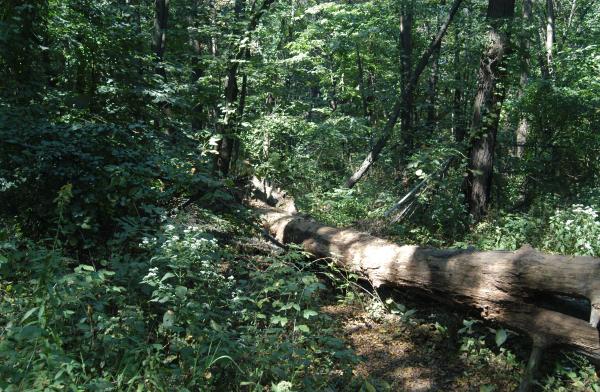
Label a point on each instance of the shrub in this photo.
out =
(185, 314)
(112, 182)
(574, 231)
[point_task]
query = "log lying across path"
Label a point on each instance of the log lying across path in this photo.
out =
(504, 286)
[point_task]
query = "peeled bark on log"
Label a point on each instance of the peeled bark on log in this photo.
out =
(502, 285)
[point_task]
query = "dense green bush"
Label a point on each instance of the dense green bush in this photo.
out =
(574, 230)
(572, 373)
(111, 182)
(300, 153)
(187, 315)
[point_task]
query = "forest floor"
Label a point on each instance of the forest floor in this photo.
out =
(426, 351)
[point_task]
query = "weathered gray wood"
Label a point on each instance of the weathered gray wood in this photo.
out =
(502, 285)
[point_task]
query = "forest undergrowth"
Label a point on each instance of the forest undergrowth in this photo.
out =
(204, 302)
(129, 131)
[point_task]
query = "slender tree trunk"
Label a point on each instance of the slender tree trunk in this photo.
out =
(541, 54)
(433, 79)
(361, 86)
(549, 35)
(406, 46)
(196, 46)
(523, 126)
(214, 48)
(486, 110)
(431, 118)
(398, 106)
(458, 126)
(240, 115)
(225, 146)
(569, 23)
(159, 38)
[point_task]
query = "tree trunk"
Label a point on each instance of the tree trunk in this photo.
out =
(567, 29)
(225, 146)
(505, 287)
(399, 105)
(361, 86)
(406, 46)
(197, 121)
(433, 79)
(458, 124)
(549, 35)
(486, 110)
(159, 38)
(523, 126)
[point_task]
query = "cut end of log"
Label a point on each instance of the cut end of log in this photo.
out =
(275, 197)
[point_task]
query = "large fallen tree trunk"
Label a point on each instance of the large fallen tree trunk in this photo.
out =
(504, 286)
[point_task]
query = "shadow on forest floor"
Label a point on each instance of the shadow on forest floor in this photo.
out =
(416, 355)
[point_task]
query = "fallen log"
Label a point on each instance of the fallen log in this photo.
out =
(504, 286)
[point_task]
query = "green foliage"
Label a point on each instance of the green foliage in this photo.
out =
(572, 373)
(341, 206)
(102, 139)
(187, 315)
(574, 230)
(501, 365)
(81, 182)
(299, 153)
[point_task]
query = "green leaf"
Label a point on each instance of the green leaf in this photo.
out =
(290, 306)
(30, 331)
(279, 320)
(166, 276)
(369, 387)
(168, 319)
(214, 325)
(501, 337)
(181, 291)
(29, 313)
(308, 313)
(302, 328)
(84, 267)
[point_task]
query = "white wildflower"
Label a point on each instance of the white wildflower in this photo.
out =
(152, 273)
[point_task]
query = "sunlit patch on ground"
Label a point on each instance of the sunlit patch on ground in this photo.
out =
(415, 355)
